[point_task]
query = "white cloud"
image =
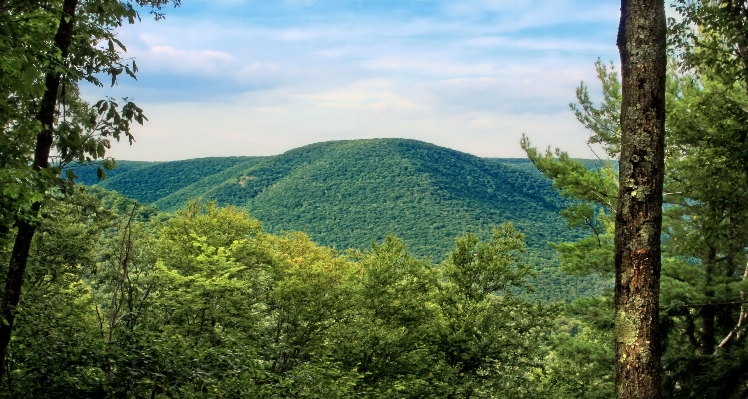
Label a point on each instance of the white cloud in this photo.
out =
(294, 35)
(470, 75)
(203, 62)
(429, 65)
(368, 109)
(538, 44)
(378, 96)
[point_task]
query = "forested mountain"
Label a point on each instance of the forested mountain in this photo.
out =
(346, 194)
(148, 182)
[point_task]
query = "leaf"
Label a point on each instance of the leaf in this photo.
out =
(120, 44)
(30, 74)
(130, 73)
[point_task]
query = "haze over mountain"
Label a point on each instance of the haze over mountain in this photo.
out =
(345, 194)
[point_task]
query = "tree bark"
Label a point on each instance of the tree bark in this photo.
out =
(44, 141)
(708, 313)
(641, 43)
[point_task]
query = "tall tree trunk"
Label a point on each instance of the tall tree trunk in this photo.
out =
(44, 140)
(641, 42)
(708, 313)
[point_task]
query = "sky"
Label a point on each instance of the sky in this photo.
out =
(261, 77)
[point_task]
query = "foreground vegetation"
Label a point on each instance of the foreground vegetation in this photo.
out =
(128, 302)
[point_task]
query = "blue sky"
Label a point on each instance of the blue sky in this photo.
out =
(260, 77)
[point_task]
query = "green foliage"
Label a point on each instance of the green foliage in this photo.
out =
(580, 357)
(704, 225)
(710, 39)
(152, 182)
(205, 304)
(347, 194)
(87, 174)
(485, 268)
(603, 120)
(80, 132)
(706, 238)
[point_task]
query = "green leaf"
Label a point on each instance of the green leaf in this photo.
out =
(120, 44)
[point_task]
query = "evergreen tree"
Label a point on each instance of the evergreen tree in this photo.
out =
(704, 235)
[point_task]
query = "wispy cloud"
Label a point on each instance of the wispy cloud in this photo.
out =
(205, 62)
(258, 77)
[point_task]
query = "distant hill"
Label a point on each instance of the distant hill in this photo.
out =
(149, 182)
(87, 173)
(345, 194)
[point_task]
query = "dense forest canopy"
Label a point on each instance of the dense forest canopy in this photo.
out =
(105, 296)
(347, 194)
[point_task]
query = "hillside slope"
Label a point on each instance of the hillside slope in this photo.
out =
(86, 173)
(149, 182)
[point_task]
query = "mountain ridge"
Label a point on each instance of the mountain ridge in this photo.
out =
(346, 194)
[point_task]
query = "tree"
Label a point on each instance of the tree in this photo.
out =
(50, 47)
(705, 239)
(641, 42)
(711, 38)
(493, 339)
(581, 356)
(54, 322)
